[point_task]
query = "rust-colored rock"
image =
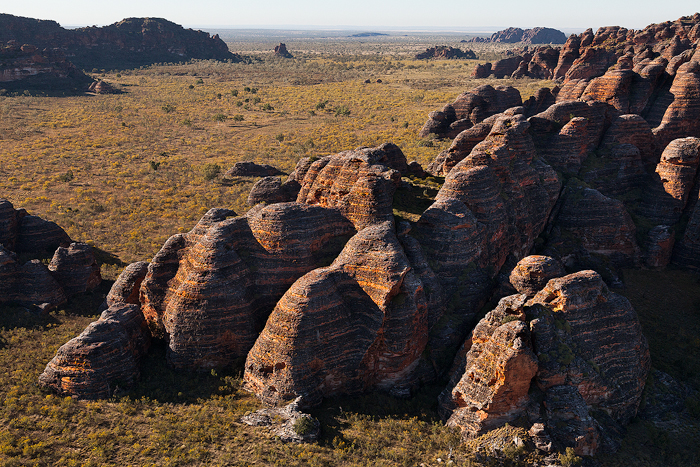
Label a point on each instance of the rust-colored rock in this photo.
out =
(470, 108)
(36, 287)
(359, 324)
(667, 195)
(459, 149)
(599, 225)
(583, 347)
(631, 129)
(210, 290)
(105, 355)
(533, 272)
(505, 66)
(481, 70)
(75, 268)
(495, 376)
(360, 183)
(616, 172)
(682, 117)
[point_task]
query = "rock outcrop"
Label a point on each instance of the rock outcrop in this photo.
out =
(528, 36)
(281, 51)
(229, 273)
(469, 109)
(25, 67)
(251, 169)
(360, 184)
(129, 43)
(75, 268)
(103, 357)
(357, 325)
(557, 344)
(271, 190)
(445, 52)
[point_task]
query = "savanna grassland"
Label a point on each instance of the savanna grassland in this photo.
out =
(123, 172)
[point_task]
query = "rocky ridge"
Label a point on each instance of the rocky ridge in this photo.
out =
(129, 43)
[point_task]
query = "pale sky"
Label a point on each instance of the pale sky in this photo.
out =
(363, 14)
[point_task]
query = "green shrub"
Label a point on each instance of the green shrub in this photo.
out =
(219, 118)
(569, 458)
(303, 425)
(211, 171)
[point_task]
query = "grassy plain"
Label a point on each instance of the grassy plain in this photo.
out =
(125, 171)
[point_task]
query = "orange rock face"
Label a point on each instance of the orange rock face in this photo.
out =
(576, 344)
(359, 324)
(496, 373)
(210, 291)
(682, 117)
(360, 183)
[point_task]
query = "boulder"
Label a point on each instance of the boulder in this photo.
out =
(251, 169)
(271, 190)
(228, 273)
(360, 184)
(125, 289)
(533, 272)
(281, 51)
(75, 268)
(36, 287)
(38, 236)
(102, 359)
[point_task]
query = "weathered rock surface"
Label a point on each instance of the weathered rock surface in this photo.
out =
(668, 193)
(471, 107)
(575, 341)
(105, 355)
(27, 68)
(533, 272)
(659, 246)
(251, 169)
(617, 172)
(75, 268)
(125, 289)
(357, 325)
(445, 52)
(537, 35)
(597, 224)
(103, 87)
(282, 422)
(210, 291)
(271, 190)
(360, 184)
(492, 384)
(682, 117)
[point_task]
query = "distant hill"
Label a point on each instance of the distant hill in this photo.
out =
(527, 36)
(369, 34)
(129, 43)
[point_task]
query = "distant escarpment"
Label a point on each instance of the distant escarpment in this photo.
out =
(129, 43)
(25, 67)
(527, 36)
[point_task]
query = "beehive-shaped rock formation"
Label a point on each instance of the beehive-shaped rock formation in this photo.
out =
(209, 291)
(360, 184)
(359, 324)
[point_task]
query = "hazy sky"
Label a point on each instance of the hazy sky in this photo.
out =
(363, 13)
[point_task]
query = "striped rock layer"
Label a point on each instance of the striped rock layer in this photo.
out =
(356, 325)
(103, 358)
(209, 292)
